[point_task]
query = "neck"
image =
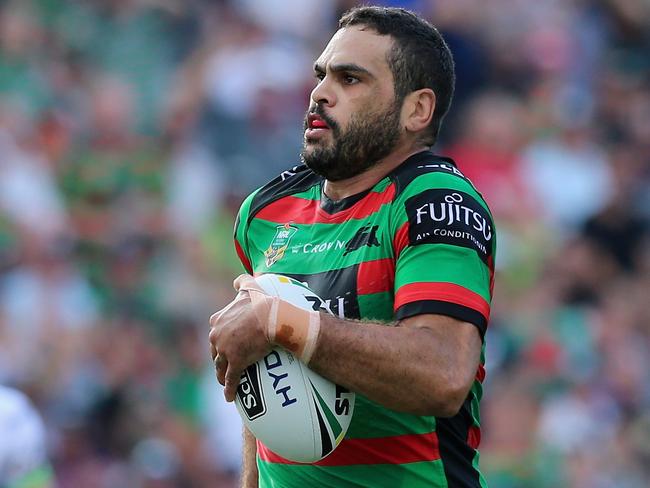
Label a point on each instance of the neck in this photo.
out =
(338, 190)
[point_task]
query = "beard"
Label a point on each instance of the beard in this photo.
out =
(370, 137)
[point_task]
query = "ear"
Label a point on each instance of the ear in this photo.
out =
(418, 108)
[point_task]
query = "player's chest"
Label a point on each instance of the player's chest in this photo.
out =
(349, 264)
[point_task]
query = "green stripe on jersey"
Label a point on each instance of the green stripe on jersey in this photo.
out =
(241, 227)
(475, 463)
(314, 193)
(370, 420)
(425, 474)
(314, 248)
(442, 180)
(377, 306)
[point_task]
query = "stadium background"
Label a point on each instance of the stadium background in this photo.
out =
(130, 131)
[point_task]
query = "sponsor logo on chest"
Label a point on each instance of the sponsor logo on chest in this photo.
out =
(337, 288)
(449, 217)
(318, 247)
(366, 236)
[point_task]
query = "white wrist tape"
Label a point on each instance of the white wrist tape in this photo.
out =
(286, 325)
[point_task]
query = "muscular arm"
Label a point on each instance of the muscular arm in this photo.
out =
(249, 475)
(433, 358)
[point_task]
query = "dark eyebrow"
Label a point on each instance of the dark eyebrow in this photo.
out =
(345, 67)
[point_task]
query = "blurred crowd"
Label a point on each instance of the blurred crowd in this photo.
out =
(130, 131)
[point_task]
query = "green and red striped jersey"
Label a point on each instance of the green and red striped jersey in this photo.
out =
(422, 240)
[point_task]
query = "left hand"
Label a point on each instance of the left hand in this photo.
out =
(238, 337)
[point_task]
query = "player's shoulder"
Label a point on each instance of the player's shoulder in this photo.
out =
(441, 205)
(428, 171)
(295, 180)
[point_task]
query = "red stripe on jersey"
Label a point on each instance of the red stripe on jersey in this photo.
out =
(480, 373)
(301, 210)
(242, 257)
(474, 437)
(305, 211)
(446, 292)
(375, 276)
(401, 239)
(400, 449)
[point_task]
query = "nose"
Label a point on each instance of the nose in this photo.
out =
(323, 93)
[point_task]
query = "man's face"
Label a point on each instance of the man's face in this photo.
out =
(353, 119)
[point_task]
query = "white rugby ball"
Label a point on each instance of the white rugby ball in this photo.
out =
(295, 412)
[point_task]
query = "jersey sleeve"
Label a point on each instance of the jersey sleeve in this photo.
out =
(241, 231)
(444, 244)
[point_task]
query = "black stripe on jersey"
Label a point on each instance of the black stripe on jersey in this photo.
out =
(337, 287)
(456, 455)
(292, 181)
(422, 163)
(332, 206)
(454, 310)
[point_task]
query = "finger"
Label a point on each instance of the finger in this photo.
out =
(242, 278)
(231, 382)
(215, 317)
(213, 351)
(221, 365)
(246, 282)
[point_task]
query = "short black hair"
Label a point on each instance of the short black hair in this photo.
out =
(420, 57)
